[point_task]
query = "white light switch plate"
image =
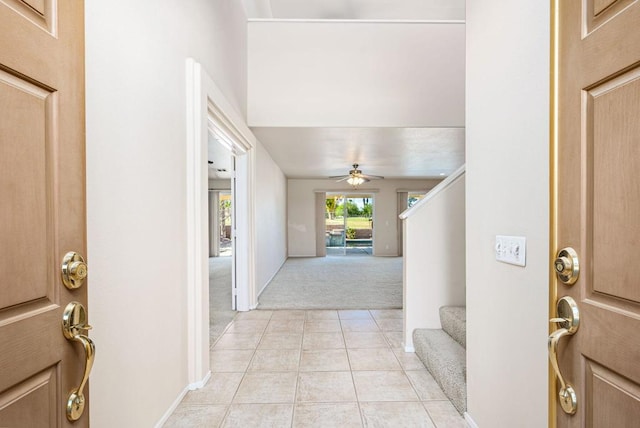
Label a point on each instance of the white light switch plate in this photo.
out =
(511, 249)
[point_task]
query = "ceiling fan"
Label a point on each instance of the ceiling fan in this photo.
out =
(356, 177)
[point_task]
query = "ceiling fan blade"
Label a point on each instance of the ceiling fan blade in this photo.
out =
(372, 177)
(356, 173)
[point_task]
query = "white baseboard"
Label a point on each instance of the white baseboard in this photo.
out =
(269, 282)
(172, 408)
(262, 289)
(470, 422)
(180, 397)
(409, 348)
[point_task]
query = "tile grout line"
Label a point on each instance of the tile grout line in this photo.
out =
(215, 342)
(413, 387)
(300, 347)
(228, 410)
(404, 372)
(244, 375)
(355, 390)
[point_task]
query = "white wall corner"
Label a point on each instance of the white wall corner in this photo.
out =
(201, 383)
(191, 387)
(196, 134)
(264, 286)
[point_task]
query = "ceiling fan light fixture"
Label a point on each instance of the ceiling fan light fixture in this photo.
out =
(356, 181)
(356, 177)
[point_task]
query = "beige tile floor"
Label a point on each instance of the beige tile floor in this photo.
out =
(316, 368)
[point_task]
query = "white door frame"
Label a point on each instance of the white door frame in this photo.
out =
(207, 107)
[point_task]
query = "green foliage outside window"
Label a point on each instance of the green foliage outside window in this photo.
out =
(352, 209)
(331, 207)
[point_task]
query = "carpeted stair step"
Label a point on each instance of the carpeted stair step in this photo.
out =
(446, 360)
(454, 322)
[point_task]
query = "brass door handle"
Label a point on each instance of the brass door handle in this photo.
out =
(568, 320)
(74, 325)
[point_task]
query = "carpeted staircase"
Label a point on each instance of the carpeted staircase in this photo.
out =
(444, 353)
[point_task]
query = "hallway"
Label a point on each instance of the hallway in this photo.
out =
(316, 368)
(372, 91)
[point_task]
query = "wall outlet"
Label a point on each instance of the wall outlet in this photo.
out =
(511, 249)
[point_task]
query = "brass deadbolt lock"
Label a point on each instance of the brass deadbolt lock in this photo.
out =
(567, 266)
(74, 270)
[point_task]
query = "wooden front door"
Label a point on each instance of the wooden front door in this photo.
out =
(42, 209)
(598, 207)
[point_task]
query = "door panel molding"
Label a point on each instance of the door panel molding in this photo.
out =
(611, 394)
(595, 204)
(43, 215)
(599, 12)
(41, 13)
(39, 388)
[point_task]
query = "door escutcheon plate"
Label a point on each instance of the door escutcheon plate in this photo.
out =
(567, 266)
(74, 270)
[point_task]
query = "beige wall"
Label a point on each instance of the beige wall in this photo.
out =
(434, 257)
(136, 183)
(507, 194)
(218, 184)
(271, 219)
(349, 73)
(301, 214)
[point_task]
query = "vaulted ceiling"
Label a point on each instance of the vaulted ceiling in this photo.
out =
(356, 9)
(399, 152)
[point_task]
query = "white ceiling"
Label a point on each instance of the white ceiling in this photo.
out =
(221, 157)
(390, 152)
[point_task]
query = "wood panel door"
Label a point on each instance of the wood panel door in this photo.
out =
(42, 207)
(598, 206)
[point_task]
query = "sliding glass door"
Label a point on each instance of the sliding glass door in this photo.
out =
(349, 224)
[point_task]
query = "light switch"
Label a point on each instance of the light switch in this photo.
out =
(511, 249)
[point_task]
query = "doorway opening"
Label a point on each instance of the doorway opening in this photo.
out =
(209, 114)
(222, 262)
(349, 224)
(224, 153)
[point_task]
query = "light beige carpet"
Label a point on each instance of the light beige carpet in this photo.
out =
(336, 282)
